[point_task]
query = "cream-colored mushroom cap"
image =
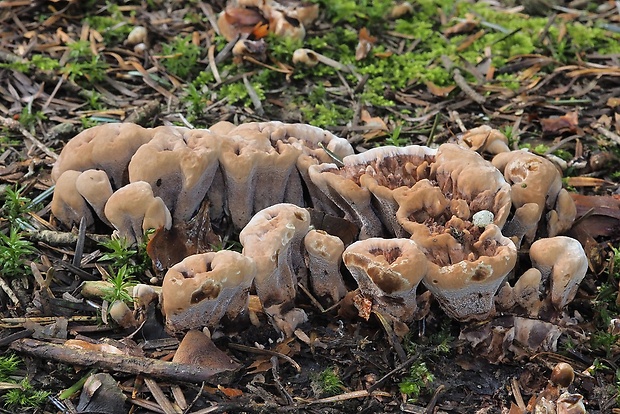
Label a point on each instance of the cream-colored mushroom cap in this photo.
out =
(107, 147)
(324, 259)
(94, 186)
(133, 210)
(273, 238)
(388, 272)
(485, 139)
(120, 312)
(201, 289)
(465, 289)
(562, 260)
(68, 205)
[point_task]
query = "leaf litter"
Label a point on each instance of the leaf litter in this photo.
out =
(65, 67)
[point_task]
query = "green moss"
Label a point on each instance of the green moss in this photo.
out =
(181, 56)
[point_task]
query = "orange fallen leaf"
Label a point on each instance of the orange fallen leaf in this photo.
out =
(439, 90)
(230, 392)
(260, 30)
(566, 122)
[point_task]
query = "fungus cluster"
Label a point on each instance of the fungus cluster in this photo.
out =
(445, 217)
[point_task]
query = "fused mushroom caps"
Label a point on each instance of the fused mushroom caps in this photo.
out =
(466, 175)
(94, 186)
(353, 200)
(180, 165)
(273, 238)
(134, 209)
(203, 288)
(534, 179)
(388, 272)
(68, 205)
(276, 161)
(563, 261)
(485, 139)
(465, 288)
(390, 171)
(324, 259)
(107, 147)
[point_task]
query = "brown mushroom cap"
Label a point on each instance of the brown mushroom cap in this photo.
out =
(421, 202)
(196, 348)
(273, 238)
(390, 171)
(120, 312)
(324, 259)
(485, 139)
(94, 186)
(240, 156)
(465, 288)
(180, 165)
(562, 217)
(107, 147)
(68, 205)
(388, 272)
(534, 179)
(563, 260)
(346, 193)
(466, 175)
(563, 374)
(134, 209)
(527, 291)
(201, 289)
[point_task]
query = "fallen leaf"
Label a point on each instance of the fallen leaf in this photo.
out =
(439, 90)
(597, 216)
(566, 122)
(168, 247)
(230, 392)
(365, 44)
(587, 182)
(375, 125)
(465, 26)
(613, 102)
(470, 40)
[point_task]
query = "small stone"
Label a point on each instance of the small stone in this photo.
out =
(483, 218)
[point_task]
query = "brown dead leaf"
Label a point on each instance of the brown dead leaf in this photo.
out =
(168, 247)
(587, 182)
(597, 216)
(365, 44)
(470, 40)
(613, 102)
(597, 205)
(375, 125)
(439, 90)
(465, 26)
(557, 124)
(230, 392)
